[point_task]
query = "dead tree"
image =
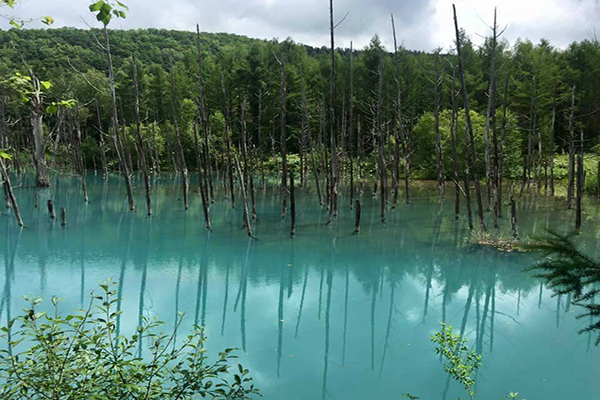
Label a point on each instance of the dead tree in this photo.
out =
(332, 124)
(9, 191)
(398, 120)
(436, 116)
(351, 125)
(283, 122)
(202, 179)
(552, 132)
(180, 154)
(80, 162)
(501, 146)
(140, 139)
(228, 140)
(204, 119)
(453, 123)
(580, 183)
(357, 216)
(244, 199)
(306, 130)
(115, 123)
(571, 184)
(292, 205)
(382, 167)
(36, 105)
(513, 212)
(469, 124)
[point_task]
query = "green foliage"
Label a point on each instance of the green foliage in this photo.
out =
(568, 270)
(461, 363)
(82, 356)
(105, 10)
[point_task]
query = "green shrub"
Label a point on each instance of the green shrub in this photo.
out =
(81, 357)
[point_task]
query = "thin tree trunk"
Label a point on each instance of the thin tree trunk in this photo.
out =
(332, 123)
(138, 125)
(181, 155)
(283, 139)
(9, 191)
(453, 123)
(469, 124)
(228, 140)
(205, 120)
(292, 205)
(501, 149)
(438, 141)
(571, 185)
(580, 179)
(552, 132)
(115, 123)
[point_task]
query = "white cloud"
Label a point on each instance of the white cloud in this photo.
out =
(420, 24)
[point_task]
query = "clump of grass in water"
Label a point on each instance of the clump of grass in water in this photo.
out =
(507, 244)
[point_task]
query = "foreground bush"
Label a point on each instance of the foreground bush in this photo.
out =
(81, 357)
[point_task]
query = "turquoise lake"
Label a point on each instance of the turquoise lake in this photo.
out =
(327, 314)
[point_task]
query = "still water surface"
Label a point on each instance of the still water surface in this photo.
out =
(327, 314)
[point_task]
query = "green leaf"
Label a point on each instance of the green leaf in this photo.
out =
(96, 6)
(46, 84)
(47, 20)
(52, 109)
(5, 155)
(16, 24)
(122, 5)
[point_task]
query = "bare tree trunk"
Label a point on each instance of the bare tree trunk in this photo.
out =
(228, 140)
(115, 122)
(383, 189)
(438, 141)
(204, 120)
(244, 198)
(283, 140)
(552, 131)
(79, 155)
(501, 149)
(9, 191)
(398, 124)
(181, 155)
(37, 115)
(307, 133)
(260, 140)
(580, 178)
(466, 179)
(138, 125)
(292, 205)
(202, 179)
(357, 216)
(334, 172)
(102, 143)
(453, 123)
(469, 125)
(571, 185)
(351, 126)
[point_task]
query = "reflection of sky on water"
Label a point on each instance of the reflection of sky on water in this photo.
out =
(326, 314)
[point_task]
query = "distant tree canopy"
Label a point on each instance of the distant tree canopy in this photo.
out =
(73, 60)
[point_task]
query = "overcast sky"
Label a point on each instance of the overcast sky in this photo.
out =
(420, 24)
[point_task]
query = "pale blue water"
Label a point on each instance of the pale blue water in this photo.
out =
(327, 314)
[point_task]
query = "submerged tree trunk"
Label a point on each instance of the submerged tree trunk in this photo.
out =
(580, 183)
(438, 141)
(571, 184)
(501, 147)
(9, 191)
(453, 123)
(283, 139)
(141, 147)
(332, 124)
(115, 123)
(228, 140)
(552, 127)
(180, 154)
(37, 114)
(469, 125)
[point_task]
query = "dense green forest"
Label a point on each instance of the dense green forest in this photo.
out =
(196, 101)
